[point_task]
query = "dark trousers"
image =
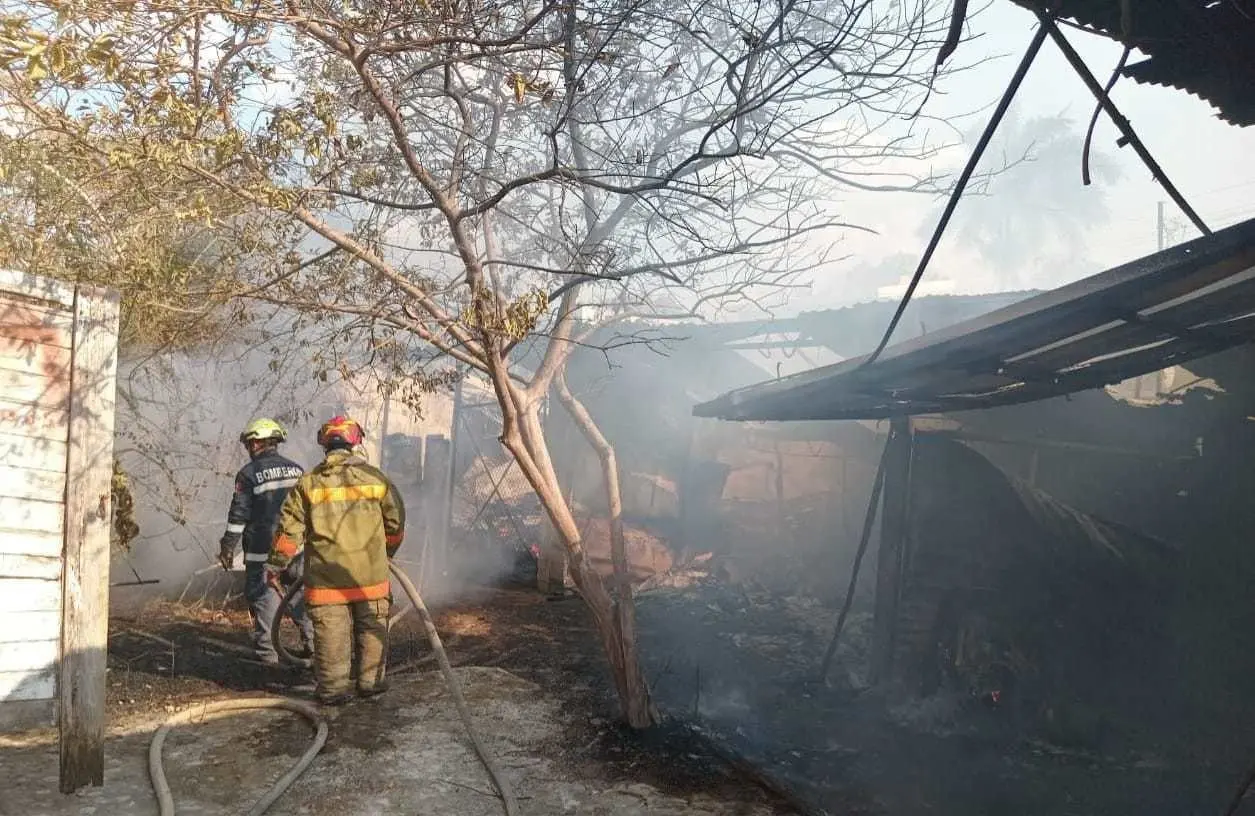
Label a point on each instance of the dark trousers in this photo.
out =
(263, 603)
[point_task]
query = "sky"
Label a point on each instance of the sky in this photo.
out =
(1210, 161)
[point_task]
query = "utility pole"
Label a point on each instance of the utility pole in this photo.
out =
(1161, 227)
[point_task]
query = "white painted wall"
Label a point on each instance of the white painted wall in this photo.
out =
(35, 343)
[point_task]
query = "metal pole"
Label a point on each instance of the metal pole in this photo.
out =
(869, 521)
(960, 185)
(894, 530)
(1126, 129)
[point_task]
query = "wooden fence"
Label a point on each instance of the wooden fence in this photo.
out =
(58, 360)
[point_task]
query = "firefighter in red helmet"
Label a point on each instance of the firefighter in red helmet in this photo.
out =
(349, 520)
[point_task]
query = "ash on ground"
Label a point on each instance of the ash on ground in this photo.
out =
(741, 664)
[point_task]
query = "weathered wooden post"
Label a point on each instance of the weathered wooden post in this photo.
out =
(893, 541)
(89, 480)
(437, 494)
(420, 451)
(456, 443)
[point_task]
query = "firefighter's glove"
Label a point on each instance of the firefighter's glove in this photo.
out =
(273, 576)
(226, 551)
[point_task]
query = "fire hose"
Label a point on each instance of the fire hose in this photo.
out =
(196, 714)
(287, 592)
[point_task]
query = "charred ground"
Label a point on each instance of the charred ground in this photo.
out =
(168, 656)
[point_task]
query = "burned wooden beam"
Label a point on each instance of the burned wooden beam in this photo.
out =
(893, 540)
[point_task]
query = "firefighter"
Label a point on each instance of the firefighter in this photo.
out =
(260, 489)
(349, 519)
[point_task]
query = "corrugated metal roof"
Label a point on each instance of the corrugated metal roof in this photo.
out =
(1203, 47)
(1170, 307)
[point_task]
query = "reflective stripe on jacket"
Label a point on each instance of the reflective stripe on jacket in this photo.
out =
(349, 519)
(261, 487)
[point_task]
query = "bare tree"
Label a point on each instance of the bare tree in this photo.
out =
(464, 179)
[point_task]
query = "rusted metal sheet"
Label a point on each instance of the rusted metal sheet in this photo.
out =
(987, 545)
(1199, 47)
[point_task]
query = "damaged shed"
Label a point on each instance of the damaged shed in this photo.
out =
(965, 546)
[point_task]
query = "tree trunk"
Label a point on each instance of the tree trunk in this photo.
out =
(638, 708)
(523, 436)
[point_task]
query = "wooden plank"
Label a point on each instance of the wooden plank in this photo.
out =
(21, 626)
(1110, 371)
(33, 358)
(33, 389)
(85, 613)
(27, 715)
(437, 475)
(1189, 314)
(26, 685)
(893, 542)
(25, 516)
(42, 567)
(33, 453)
(36, 324)
(35, 420)
(32, 543)
(29, 595)
(38, 485)
(37, 287)
(29, 656)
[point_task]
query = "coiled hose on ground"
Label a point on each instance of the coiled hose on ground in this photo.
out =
(197, 713)
(156, 770)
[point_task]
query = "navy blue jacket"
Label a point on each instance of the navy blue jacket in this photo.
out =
(260, 488)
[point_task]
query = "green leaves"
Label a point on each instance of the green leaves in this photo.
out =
(71, 56)
(513, 321)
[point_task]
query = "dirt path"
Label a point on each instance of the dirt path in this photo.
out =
(402, 754)
(534, 681)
